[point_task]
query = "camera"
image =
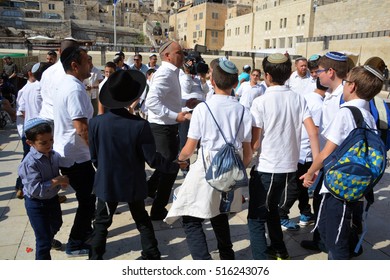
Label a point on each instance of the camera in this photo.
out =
(198, 65)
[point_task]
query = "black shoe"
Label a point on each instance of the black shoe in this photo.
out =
(310, 245)
(277, 255)
(150, 257)
(56, 245)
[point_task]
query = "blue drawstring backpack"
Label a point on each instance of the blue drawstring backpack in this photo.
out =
(226, 171)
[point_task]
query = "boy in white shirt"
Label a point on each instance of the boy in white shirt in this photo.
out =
(278, 117)
(197, 200)
(297, 191)
(332, 69)
(361, 85)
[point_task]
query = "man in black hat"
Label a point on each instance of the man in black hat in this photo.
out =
(120, 143)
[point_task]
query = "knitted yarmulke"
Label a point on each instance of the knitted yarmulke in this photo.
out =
(336, 56)
(277, 58)
(33, 123)
(374, 71)
(314, 57)
(246, 67)
(35, 67)
(228, 66)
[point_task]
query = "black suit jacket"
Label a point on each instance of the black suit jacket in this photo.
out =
(120, 144)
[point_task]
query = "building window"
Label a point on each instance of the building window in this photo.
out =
(269, 25)
(303, 19)
(229, 33)
(215, 33)
(214, 15)
(246, 29)
(195, 16)
(194, 35)
(266, 25)
(200, 33)
(285, 22)
(299, 20)
(201, 15)
(52, 6)
(185, 24)
(281, 23)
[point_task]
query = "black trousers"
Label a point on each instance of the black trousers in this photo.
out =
(81, 178)
(103, 220)
(160, 184)
(196, 239)
(296, 191)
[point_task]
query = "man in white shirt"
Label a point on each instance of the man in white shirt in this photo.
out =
(153, 62)
(250, 90)
(92, 85)
(164, 103)
(72, 109)
(49, 81)
(300, 78)
(138, 65)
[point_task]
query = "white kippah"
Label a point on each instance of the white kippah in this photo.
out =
(374, 71)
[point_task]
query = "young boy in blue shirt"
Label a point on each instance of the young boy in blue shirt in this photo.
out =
(42, 181)
(360, 86)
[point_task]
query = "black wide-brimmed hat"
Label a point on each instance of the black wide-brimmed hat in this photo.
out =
(122, 88)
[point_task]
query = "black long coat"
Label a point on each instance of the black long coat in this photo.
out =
(120, 144)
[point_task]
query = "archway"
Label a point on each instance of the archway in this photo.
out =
(376, 62)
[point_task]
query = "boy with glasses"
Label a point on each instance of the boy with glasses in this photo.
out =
(334, 222)
(332, 69)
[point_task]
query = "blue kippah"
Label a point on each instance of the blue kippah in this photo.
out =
(228, 66)
(35, 68)
(314, 57)
(31, 123)
(336, 56)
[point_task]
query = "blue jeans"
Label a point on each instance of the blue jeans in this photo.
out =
(265, 190)
(81, 178)
(196, 239)
(46, 220)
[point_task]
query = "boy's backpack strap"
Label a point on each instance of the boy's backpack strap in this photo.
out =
(357, 115)
(219, 128)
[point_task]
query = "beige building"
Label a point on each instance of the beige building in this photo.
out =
(306, 27)
(201, 24)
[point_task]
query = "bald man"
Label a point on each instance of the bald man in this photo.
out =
(164, 105)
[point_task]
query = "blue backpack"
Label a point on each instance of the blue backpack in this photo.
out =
(381, 113)
(356, 166)
(226, 171)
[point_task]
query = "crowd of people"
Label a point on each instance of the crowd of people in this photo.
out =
(106, 128)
